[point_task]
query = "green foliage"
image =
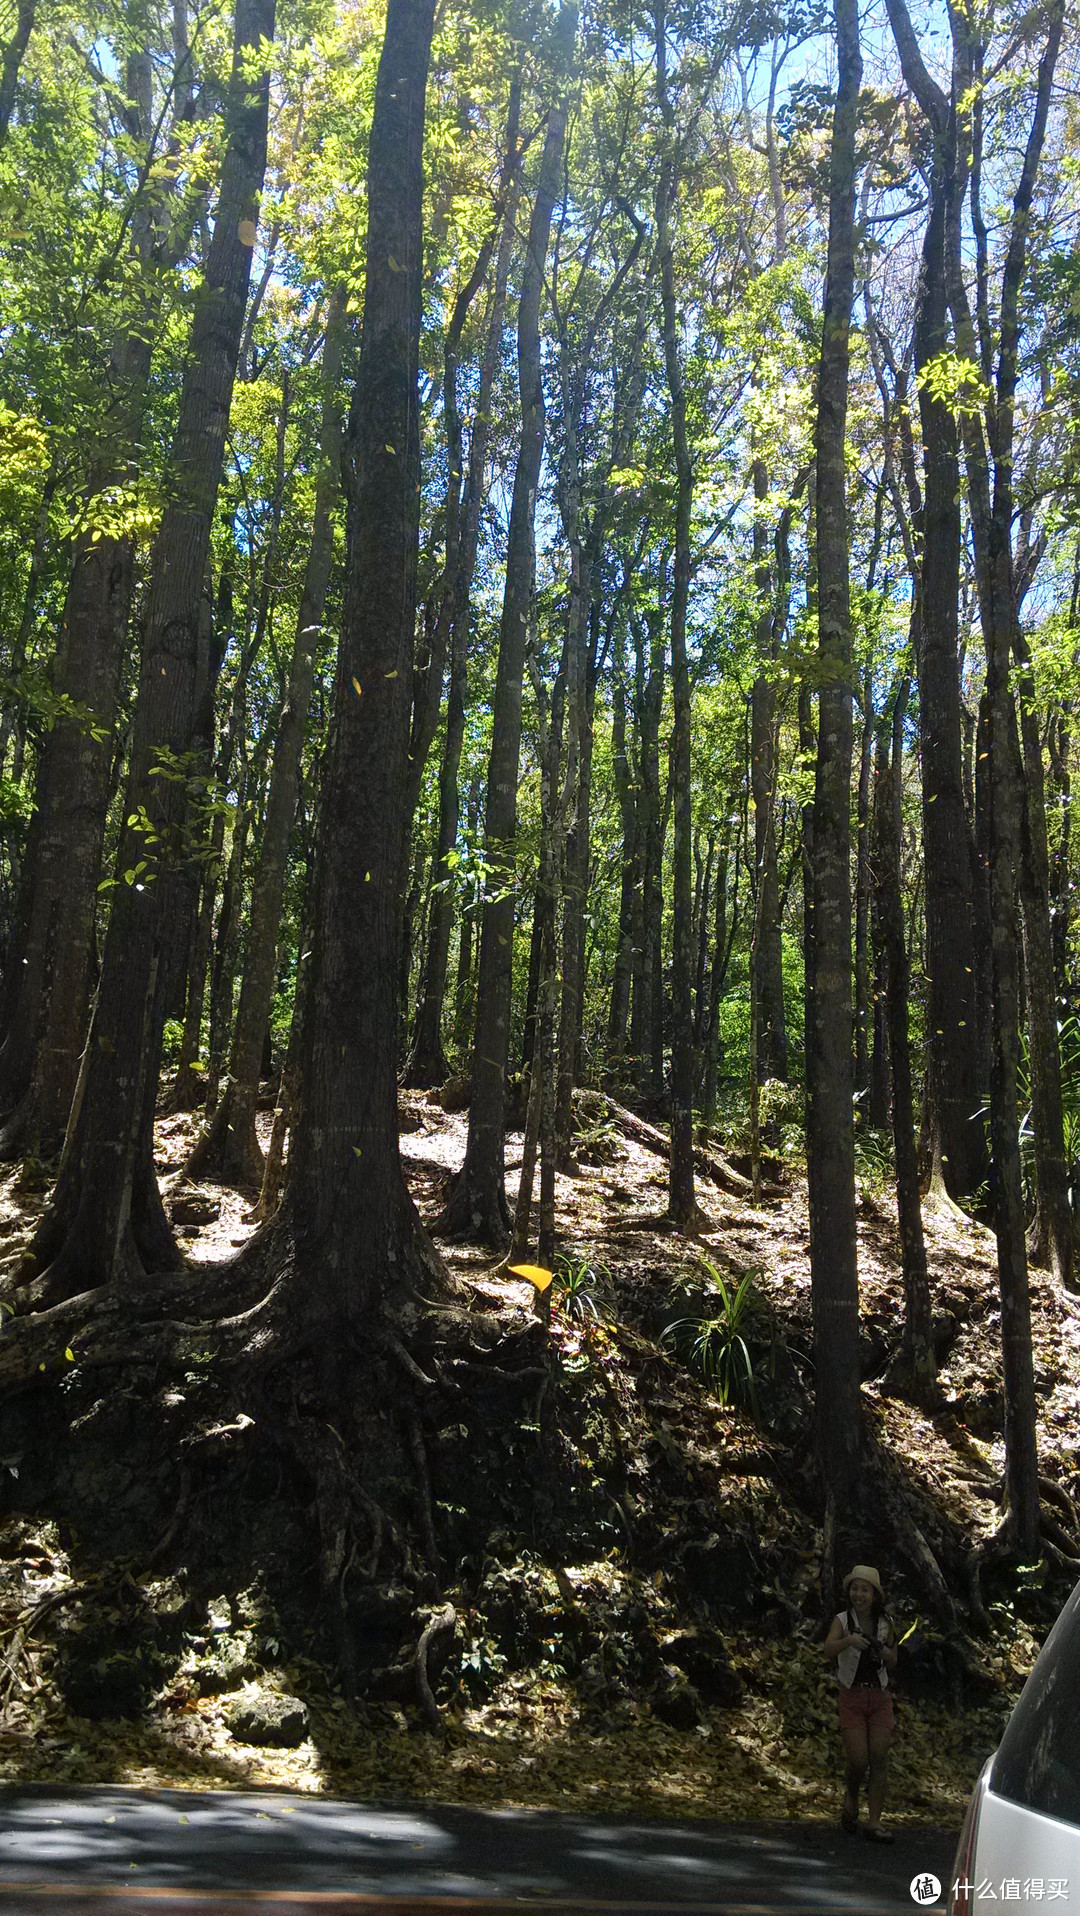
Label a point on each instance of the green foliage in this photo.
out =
(874, 1162)
(482, 1667)
(16, 802)
(718, 1344)
(172, 1039)
(48, 708)
(954, 382)
(575, 1285)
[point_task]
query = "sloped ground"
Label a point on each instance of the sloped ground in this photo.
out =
(669, 1662)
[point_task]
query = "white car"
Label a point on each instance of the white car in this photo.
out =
(1021, 1837)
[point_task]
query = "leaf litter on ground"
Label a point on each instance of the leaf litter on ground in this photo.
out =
(532, 1741)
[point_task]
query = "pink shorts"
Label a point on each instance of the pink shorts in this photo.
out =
(865, 1703)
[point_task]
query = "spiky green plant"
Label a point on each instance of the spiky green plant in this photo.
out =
(716, 1345)
(575, 1286)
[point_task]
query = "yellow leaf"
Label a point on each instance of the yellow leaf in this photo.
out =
(358, 688)
(70, 1355)
(535, 1273)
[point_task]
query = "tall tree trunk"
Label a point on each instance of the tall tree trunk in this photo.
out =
(914, 1368)
(463, 499)
(427, 1061)
(574, 859)
(726, 925)
(830, 1145)
(106, 1219)
(992, 518)
(702, 910)
(477, 1206)
(682, 1203)
(53, 952)
(12, 60)
(862, 892)
(1053, 1223)
(1006, 801)
(646, 1022)
(532, 990)
(226, 937)
(1060, 893)
(768, 951)
(541, 1061)
(957, 1138)
(346, 1188)
(464, 986)
(619, 1010)
(230, 1150)
(953, 1053)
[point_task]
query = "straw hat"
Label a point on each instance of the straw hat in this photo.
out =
(866, 1574)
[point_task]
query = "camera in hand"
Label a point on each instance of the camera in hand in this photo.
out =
(871, 1657)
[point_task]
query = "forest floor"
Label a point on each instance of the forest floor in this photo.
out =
(546, 1709)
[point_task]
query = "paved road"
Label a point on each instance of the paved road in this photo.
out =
(187, 1853)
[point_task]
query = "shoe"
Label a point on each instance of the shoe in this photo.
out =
(875, 1834)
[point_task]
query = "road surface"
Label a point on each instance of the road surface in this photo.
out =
(263, 1853)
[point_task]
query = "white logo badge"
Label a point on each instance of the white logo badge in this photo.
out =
(925, 1889)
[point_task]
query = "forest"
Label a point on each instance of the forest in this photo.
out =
(539, 642)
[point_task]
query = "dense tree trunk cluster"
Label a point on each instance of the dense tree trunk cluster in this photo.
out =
(527, 654)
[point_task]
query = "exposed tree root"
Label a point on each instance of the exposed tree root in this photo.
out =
(1055, 1494)
(423, 1480)
(474, 1214)
(711, 1164)
(24, 1631)
(998, 1548)
(937, 1203)
(1064, 1541)
(921, 1558)
(444, 1619)
(246, 1432)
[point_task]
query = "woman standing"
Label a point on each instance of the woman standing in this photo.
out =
(863, 1643)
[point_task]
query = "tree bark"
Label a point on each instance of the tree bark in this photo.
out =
(955, 1101)
(226, 935)
(230, 1151)
(682, 1203)
(477, 1207)
(12, 61)
(541, 1064)
(914, 1368)
(53, 954)
(992, 527)
(1053, 1235)
(646, 1019)
(619, 1006)
(106, 1221)
(829, 1127)
(427, 1060)
(768, 951)
(463, 499)
(862, 893)
(358, 1241)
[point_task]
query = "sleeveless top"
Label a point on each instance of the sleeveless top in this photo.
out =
(847, 1663)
